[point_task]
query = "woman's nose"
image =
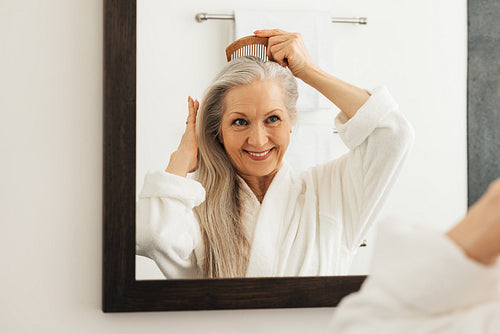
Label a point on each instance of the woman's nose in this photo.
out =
(258, 136)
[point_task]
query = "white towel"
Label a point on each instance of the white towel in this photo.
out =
(313, 144)
(313, 140)
(316, 30)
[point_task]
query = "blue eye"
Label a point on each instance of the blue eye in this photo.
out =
(273, 119)
(239, 122)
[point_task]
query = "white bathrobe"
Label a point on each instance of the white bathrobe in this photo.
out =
(422, 282)
(308, 224)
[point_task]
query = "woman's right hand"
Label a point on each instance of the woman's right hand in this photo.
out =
(288, 49)
(185, 159)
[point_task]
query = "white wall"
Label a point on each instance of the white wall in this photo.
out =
(51, 175)
(417, 48)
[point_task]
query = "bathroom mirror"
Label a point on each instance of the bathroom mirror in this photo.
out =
(171, 66)
(122, 292)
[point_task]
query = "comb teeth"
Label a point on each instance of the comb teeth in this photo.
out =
(248, 46)
(256, 50)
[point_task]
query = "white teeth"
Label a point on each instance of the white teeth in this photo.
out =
(259, 154)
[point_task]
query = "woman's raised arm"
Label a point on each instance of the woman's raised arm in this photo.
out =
(288, 49)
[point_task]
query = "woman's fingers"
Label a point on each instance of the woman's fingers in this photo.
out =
(189, 137)
(280, 51)
(185, 159)
(269, 32)
(196, 106)
(288, 49)
(188, 147)
(275, 48)
(190, 109)
(193, 106)
(276, 37)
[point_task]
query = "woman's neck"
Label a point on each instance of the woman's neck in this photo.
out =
(259, 184)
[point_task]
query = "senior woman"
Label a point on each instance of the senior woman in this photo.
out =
(246, 213)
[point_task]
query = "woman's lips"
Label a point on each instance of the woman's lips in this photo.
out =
(258, 156)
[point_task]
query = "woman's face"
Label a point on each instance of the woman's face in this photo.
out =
(256, 128)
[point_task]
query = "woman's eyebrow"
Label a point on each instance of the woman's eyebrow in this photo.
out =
(230, 113)
(273, 111)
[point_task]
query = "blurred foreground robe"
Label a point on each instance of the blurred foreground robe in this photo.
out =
(422, 282)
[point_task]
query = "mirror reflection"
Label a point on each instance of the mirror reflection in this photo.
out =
(244, 180)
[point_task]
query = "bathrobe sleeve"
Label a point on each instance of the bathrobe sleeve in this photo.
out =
(352, 188)
(422, 282)
(167, 230)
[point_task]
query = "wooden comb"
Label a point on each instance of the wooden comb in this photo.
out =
(248, 46)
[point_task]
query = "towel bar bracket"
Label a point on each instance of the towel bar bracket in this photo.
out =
(201, 17)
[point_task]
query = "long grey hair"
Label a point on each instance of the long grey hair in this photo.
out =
(226, 245)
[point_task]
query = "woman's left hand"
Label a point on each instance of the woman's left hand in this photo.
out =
(288, 49)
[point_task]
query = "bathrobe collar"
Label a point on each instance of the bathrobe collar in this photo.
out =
(263, 252)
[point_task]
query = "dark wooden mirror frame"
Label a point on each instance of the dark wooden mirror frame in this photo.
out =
(121, 292)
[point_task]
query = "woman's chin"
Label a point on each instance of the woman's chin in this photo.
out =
(260, 171)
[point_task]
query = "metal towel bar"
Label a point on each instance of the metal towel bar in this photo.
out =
(200, 17)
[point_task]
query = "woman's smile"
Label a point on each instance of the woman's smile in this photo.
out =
(259, 156)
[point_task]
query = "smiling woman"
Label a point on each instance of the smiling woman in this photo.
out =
(423, 66)
(256, 132)
(246, 214)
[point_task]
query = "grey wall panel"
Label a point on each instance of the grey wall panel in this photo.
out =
(483, 96)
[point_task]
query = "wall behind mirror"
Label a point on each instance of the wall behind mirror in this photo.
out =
(417, 49)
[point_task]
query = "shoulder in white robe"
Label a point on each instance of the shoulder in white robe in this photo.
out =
(421, 282)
